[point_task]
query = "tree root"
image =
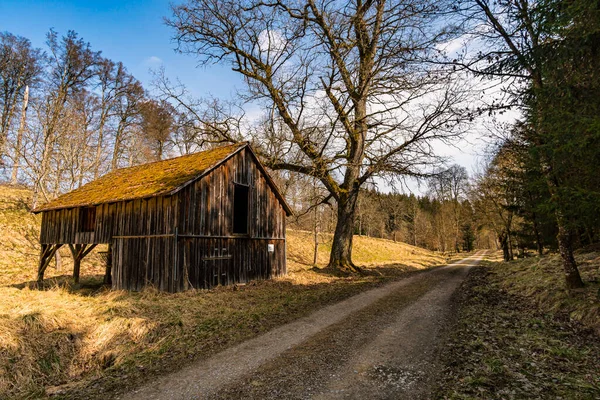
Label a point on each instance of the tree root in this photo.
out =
(342, 268)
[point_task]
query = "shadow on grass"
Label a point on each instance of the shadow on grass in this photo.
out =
(387, 271)
(88, 284)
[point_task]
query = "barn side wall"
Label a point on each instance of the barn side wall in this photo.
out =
(151, 216)
(141, 232)
(208, 252)
(143, 244)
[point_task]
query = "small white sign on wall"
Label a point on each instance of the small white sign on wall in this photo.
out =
(270, 247)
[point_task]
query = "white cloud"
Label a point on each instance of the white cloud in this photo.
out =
(153, 61)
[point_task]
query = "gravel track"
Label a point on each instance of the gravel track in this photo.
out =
(380, 344)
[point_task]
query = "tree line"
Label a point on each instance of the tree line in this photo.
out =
(69, 115)
(542, 181)
(352, 94)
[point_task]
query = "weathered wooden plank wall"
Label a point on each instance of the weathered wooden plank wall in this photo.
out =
(186, 240)
(210, 253)
(210, 262)
(155, 215)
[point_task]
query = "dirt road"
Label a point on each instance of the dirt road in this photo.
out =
(381, 344)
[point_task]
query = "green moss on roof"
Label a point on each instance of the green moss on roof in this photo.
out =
(146, 180)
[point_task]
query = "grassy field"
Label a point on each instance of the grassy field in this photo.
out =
(89, 342)
(520, 335)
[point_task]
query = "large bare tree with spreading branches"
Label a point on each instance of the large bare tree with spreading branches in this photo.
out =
(348, 87)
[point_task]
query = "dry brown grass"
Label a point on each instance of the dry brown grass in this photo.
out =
(89, 342)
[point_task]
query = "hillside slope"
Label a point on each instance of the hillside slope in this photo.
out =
(91, 342)
(18, 235)
(19, 243)
(367, 251)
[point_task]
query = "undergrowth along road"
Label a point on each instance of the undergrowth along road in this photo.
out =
(520, 335)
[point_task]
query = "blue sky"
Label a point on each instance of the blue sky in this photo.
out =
(134, 32)
(129, 31)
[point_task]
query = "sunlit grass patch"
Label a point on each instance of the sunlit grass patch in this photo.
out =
(541, 279)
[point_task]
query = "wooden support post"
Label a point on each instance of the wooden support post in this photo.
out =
(75, 250)
(79, 251)
(48, 251)
(108, 271)
(41, 265)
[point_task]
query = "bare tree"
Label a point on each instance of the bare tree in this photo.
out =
(346, 83)
(127, 113)
(20, 67)
(451, 186)
(113, 82)
(201, 122)
(73, 63)
(18, 153)
(157, 125)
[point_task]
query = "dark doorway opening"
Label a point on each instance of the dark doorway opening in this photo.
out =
(240, 209)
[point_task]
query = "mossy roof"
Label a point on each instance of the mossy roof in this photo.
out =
(147, 180)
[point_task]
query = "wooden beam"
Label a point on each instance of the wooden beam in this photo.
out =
(227, 237)
(79, 251)
(48, 251)
(86, 252)
(144, 236)
(108, 271)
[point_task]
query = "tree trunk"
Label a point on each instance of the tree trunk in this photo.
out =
(509, 246)
(538, 236)
(565, 246)
(99, 147)
(19, 144)
(564, 236)
(316, 238)
(503, 238)
(341, 248)
(114, 163)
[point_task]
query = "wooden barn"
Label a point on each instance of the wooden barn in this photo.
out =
(196, 221)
